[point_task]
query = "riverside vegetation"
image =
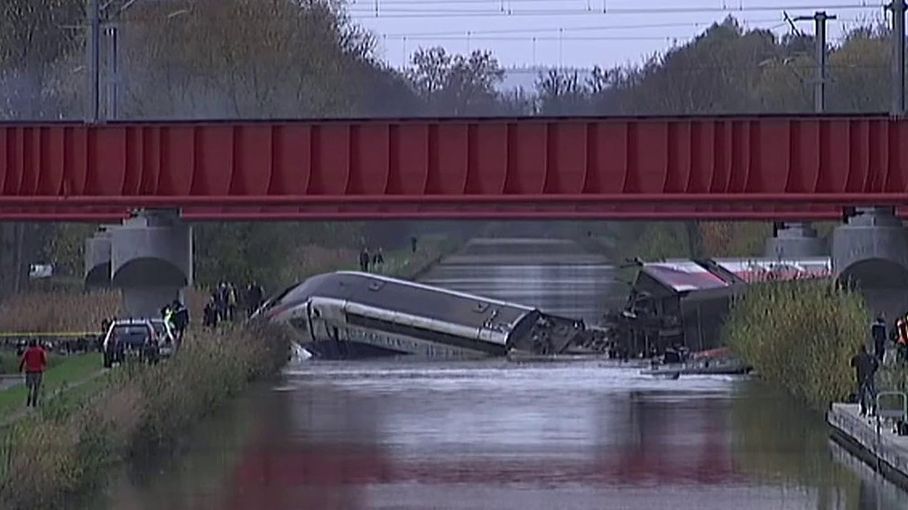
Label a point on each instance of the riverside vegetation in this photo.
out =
(800, 335)
(66, 446)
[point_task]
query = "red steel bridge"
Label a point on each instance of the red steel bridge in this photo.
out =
(730, 168)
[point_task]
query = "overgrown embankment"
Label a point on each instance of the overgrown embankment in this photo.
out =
(57, 312)
(800, 336)
(64, 448)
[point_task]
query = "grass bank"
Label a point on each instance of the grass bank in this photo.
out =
(800, 336)
(66, 447)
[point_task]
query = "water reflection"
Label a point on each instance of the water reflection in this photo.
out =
(492, 435)
(557, 276)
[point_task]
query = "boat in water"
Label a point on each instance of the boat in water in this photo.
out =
(714, 362)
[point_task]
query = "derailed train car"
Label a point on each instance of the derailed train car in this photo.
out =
(349, 314)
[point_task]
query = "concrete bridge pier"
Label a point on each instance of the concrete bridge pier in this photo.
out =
(795, 241)
(871, 252)
(97, 259)
(148, 257)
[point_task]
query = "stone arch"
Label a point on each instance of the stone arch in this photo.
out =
(149, 272)
(882, 282)
(98, 276)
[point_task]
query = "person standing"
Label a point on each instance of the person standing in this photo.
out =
(254, 296)
(878, 333)
(34, 362)
(378, 261)
(231, 302)
(865, 367)
(211, 313)
(364, 260)
(900, 334)
(180, 321)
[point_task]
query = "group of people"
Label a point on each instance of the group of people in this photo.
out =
(374, 262)
(867, 364)
(226, 303)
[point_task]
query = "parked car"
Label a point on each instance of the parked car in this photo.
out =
(131, 338)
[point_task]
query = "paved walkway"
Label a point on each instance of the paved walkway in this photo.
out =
(878, 443)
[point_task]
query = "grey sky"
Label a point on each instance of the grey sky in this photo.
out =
(576, 33)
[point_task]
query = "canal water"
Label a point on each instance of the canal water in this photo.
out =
(395, 434)
(554, 275)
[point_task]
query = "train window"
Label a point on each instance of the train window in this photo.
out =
(480, 307)
(376, 284)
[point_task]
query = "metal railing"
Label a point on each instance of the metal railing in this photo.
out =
(895, 412)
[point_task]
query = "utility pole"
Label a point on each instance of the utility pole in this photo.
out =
(819, 92)
(93, 102)
(898, 57)
(113, 71)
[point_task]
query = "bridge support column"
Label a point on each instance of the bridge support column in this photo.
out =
(795, 241)
(871, 252)
(97, 259)
(148, 258)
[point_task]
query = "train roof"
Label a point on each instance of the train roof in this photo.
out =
(406, 297)
(683, 275)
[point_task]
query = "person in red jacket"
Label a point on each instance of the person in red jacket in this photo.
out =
(34, 362)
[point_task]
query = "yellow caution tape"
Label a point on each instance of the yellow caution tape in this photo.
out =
(73, 334)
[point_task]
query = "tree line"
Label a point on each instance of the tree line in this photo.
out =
(291, 58)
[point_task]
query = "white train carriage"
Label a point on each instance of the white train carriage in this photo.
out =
(348, 314)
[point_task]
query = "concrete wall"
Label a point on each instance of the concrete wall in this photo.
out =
(871, 252)
(97, 259)
(795, 241)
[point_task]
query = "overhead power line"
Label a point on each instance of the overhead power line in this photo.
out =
(637, 11)
(640, 26)
(468, 37)
(686, 69)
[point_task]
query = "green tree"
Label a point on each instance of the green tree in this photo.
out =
(562, 93)
(34, 36)
(456, 84)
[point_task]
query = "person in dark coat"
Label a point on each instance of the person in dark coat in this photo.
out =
(878, 333)
(865, 367)
(364, 260)
(254, 296)
(378, 261)
(211, 313)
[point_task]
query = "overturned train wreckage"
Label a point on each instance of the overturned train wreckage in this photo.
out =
(350, 315)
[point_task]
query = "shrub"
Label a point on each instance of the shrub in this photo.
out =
(801, 336)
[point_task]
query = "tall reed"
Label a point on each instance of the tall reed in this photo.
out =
(53, 312)
(800, 335)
